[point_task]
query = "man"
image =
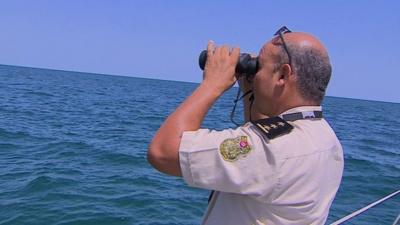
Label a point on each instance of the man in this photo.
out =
(282, 167)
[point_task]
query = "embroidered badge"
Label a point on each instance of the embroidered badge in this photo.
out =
(273, 127)
(232, 148)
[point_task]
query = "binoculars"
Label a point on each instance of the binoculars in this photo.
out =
(246, 64)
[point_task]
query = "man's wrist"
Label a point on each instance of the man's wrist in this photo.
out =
(212, 89)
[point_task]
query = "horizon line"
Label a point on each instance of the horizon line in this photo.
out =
(120, 75)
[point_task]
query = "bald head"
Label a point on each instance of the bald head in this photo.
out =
(310, 62)
(304, 40)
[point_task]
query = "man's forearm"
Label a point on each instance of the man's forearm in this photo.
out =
(187, 117)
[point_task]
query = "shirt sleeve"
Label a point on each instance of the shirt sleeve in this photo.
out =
(235, 161)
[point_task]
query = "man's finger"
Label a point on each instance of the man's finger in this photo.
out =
(217, 51)
(225, 50)
(210, 48)
(235, 53)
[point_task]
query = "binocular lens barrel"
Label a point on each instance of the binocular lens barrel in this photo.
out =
(246, 64)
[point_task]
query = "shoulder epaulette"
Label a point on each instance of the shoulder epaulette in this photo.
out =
(273, 127)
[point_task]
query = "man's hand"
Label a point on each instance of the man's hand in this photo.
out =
(219, 71)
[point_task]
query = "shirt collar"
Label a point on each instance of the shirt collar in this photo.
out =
(302, 109)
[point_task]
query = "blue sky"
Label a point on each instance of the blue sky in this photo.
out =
(162, 39)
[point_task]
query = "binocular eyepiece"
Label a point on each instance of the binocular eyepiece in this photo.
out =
(246, 64)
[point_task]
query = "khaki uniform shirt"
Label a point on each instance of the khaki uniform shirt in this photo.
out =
(290, 179)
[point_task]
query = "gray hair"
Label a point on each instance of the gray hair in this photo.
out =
(313, 70)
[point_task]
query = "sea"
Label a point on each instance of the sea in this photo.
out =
(73, 151)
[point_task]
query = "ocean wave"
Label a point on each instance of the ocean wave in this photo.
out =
(122, 159)
(46, 183)
(38, 93)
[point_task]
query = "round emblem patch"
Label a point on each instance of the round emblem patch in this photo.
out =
(232, 148)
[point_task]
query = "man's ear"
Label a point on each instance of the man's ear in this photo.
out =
(285, 71)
